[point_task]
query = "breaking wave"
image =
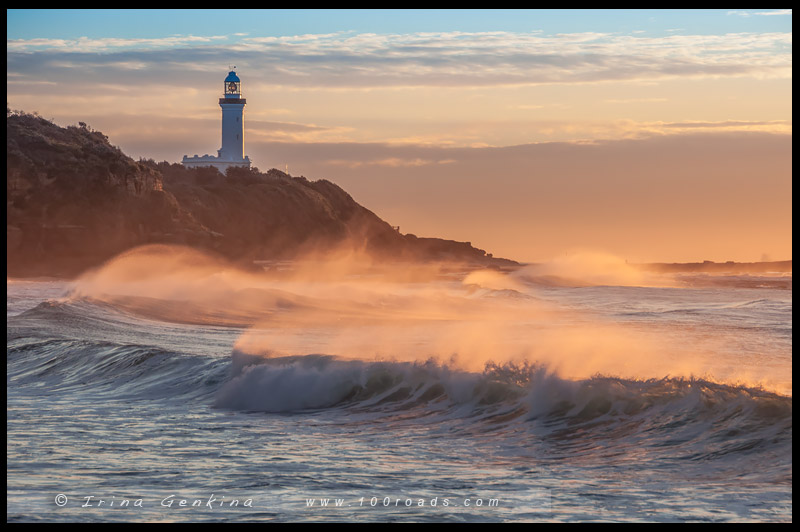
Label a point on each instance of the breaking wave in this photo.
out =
(107, 350)
(701, 418)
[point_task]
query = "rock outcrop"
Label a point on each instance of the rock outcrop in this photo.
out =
(74, 201)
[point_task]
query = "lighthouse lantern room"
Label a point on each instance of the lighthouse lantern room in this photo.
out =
(232, 151)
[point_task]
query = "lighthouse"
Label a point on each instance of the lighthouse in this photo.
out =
(232, 151)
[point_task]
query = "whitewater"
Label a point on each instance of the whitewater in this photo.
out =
(168, 385)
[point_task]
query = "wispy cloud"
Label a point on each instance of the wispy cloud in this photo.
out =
(108, 44)
(636, 100)
(391, 162)
(363, 60)
(728, 124)
(777, 12)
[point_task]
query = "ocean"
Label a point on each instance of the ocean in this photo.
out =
(170, 386)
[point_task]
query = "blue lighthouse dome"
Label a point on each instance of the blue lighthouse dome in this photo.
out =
(233, 86)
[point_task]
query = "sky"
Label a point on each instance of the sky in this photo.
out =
(651, 135)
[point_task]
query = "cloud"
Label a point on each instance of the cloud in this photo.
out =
(773, 125)
(534, 107)
(777, 12)
(436, 59)
(294, 132)
(636, 100)
(392, 162)
(106, 44)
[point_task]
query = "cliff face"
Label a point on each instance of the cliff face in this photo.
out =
(74, 201)
(43, 156)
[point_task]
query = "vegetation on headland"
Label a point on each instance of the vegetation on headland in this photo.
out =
(74, 201)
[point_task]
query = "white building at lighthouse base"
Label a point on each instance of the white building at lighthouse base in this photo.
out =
(217, 162)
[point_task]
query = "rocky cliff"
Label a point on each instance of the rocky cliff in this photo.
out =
(74, 201)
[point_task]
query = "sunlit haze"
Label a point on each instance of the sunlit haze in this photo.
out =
(652, 136)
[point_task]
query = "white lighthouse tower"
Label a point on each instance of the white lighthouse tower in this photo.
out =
(232, 151)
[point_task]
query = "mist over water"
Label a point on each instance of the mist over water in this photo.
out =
(353, 307)
(592, 268)
(580, 388)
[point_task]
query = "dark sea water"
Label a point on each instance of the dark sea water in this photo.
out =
(375, 400)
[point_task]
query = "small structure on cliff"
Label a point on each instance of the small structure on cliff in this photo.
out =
(232, 151)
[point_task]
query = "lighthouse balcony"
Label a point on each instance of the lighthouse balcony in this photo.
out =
(233, 100)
